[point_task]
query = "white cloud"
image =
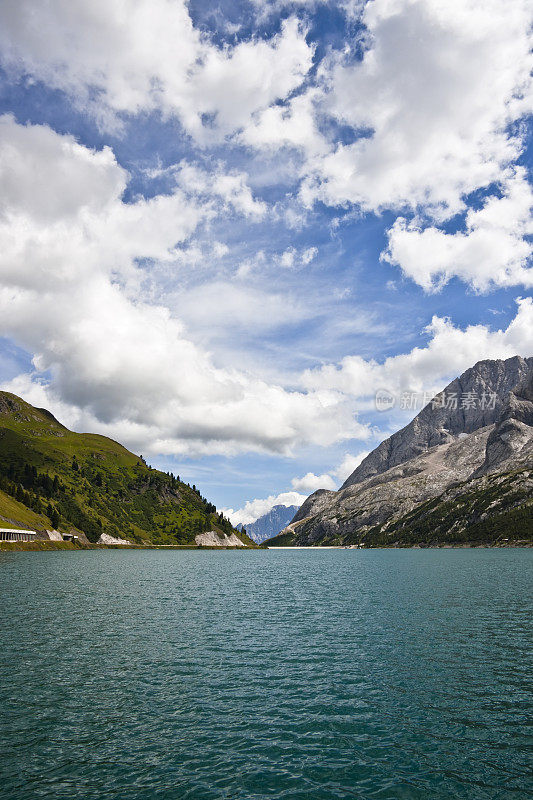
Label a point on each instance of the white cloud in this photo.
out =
(70, 223)
(72, 294)
(329, 480)
(220, 249)
(291, 125)
(449, 351)
(431, 103)
(309, 254)
(268, 8)
(116, 56)
(439, 83)
(250, 265)
(310, 483)
(231, 187)
(32, 184)
(229, 304)
(348, 464)
(253, 509)
(493, 251)
(287, 258)
(235, 84)
(293, 258)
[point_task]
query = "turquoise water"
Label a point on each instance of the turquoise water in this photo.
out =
(160, 675)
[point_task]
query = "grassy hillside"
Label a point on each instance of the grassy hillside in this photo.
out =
(52, 477)
(16, 515)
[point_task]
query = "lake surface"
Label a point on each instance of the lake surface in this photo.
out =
(153, 675)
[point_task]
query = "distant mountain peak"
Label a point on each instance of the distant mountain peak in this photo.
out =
(269, 524)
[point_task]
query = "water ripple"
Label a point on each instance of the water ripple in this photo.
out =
(376, 675)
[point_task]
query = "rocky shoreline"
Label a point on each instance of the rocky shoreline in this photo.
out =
(43, 546)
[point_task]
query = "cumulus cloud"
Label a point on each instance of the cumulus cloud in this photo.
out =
(293, 125)
(493, 250)
(439, 84)
(348, 464)
(310, 482)
(116, 57)
(231, 187)
(449, 351)
(63, 218)
(253, 509)
(72, 295)
(329, 480)
(432, 108)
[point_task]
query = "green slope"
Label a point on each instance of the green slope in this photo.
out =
(52, 477)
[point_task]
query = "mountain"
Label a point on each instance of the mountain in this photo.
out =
(437, 425)
(52, 478)
(460, 472)
(269, 524)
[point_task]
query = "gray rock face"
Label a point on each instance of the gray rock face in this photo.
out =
(442, 451)
(105, 538)
(316, 502)
(217, 539)
(434, 426)
(511, 437)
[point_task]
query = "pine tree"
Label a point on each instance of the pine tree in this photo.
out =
(53, 516)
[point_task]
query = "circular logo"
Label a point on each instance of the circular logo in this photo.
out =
(385, 400)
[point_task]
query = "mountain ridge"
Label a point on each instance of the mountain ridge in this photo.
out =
(86, 483)
(435, 425)
(479, 467)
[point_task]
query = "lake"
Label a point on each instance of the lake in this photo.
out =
(164, 675)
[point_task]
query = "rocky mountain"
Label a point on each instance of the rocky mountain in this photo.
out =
(269, 524)
(461, 471)
(89, 485)
(468, 403)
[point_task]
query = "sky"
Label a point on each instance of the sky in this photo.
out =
(226, 225)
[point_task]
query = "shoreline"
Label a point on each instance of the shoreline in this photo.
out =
(444, 546)
(48, 546)
(43, 545)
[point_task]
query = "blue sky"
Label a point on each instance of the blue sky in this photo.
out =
(226, 226)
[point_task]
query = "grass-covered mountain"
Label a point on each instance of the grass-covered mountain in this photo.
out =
(51, 477)
(460, 472)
